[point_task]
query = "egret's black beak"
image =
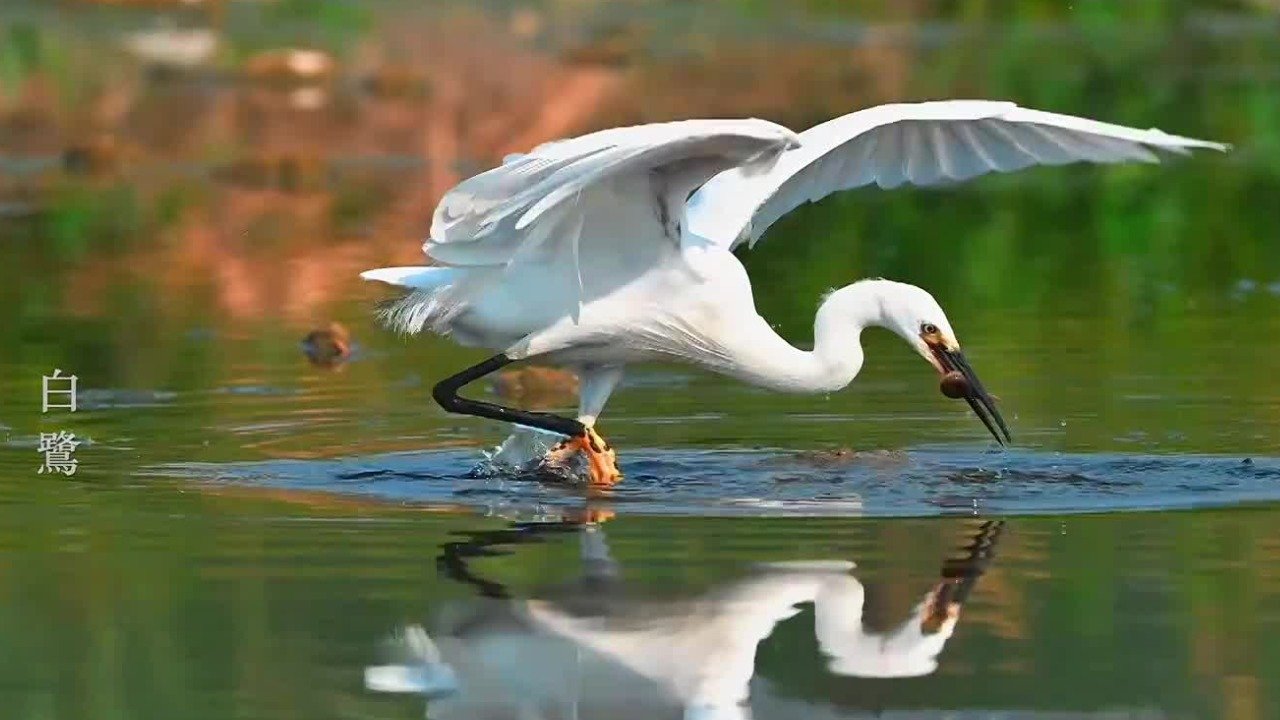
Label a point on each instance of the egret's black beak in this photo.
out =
(984, 406)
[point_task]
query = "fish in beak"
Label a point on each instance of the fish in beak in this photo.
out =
(959, 380)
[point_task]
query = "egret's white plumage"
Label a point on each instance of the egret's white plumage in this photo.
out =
(614, 247)
(925, 144)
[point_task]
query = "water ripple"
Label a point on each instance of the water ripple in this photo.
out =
(924, 482)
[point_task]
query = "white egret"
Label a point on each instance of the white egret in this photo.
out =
(616, 247)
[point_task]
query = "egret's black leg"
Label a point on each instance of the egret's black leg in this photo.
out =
(446, 394)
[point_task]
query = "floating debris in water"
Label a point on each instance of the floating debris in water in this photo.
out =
(328, 347)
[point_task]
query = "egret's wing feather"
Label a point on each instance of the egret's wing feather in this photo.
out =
(924, 144)
(493, 218)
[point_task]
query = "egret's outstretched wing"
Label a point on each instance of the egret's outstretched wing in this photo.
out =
(928, 143)
(542, 198)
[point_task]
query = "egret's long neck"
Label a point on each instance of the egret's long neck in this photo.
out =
(768, 360)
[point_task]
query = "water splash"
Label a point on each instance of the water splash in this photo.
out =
(524, 453)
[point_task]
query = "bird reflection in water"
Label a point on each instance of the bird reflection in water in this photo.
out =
(595, 652)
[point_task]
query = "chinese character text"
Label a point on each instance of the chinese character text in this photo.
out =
(58, 387)
(58, 448)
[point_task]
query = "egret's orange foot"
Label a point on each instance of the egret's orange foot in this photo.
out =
(602, 463)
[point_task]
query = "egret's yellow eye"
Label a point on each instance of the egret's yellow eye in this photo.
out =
(928, 329)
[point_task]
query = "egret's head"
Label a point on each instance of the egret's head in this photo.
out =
(914, 315)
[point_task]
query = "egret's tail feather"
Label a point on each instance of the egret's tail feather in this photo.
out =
(431, 306)
(419, 311)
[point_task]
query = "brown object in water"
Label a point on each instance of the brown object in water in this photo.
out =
(328, 347)
(954, 385)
